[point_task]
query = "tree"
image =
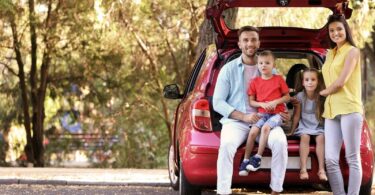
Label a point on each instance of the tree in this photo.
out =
(40, 43)
(206, 32)
(163, 36)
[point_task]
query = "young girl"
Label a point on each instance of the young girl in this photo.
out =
(307, 118)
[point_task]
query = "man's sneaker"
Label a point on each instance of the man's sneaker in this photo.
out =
(254, 164)
(243, 171)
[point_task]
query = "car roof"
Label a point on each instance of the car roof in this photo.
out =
(274, 37)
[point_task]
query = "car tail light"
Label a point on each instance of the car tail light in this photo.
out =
(201, 115)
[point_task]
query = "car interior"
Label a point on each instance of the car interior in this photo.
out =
(288, 64)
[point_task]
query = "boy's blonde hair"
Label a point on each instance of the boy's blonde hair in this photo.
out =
(266, 53)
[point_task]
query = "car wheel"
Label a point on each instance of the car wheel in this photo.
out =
(185, 187)
(173, 174)
(366, 189)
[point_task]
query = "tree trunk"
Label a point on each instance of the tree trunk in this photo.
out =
(25, 102)
(193, 40)
(369, 52)
(207, 34)
(35, 100)
(39, 116)
(39, 93)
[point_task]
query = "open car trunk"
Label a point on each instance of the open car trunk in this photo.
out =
(273, 37)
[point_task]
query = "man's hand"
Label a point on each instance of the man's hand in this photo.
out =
(251, 118)
(294, 101)
(285, 116)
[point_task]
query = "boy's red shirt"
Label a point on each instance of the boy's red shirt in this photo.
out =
(268, 90)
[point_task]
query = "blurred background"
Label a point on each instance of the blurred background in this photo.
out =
(81, 81)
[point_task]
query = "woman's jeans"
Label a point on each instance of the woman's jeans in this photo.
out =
(345, 128)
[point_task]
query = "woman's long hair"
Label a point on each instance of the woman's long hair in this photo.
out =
(319, 100)
(341, 19)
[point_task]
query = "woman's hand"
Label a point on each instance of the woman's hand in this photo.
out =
(324, 93)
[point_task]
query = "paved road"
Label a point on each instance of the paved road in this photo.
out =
(16, 189)
(131, 190)
(73, 181)
(83, 176)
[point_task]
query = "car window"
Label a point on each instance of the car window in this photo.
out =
(194, 73)
(283, 65)
(285, 60)
(310, 18)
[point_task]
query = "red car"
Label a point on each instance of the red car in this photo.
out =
(195, 137)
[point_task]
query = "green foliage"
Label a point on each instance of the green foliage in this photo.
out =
(362, 22)
(155, 51)
(5, 5)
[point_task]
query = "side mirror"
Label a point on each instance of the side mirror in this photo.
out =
(172, 92)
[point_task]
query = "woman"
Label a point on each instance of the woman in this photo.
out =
(343, 106)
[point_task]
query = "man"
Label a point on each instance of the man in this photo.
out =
(231, 101)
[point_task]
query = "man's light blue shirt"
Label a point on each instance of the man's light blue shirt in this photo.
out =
(229, 94)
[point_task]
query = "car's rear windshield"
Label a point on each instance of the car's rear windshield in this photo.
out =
(309, 18)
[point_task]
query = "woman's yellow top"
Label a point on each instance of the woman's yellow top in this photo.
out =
(348, 98)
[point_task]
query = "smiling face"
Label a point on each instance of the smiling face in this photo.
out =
(337, 32)
(266, 64)
(310, 81)
(249, 43)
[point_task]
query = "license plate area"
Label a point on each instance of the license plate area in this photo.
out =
(293, 163)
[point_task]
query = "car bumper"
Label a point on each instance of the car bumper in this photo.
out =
(199, 164)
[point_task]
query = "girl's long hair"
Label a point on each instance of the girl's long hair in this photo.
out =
(319, 100)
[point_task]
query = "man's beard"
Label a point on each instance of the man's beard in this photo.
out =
(251, 55)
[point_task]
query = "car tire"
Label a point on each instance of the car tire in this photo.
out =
(173, 174)
(185, 187)
(366, 189)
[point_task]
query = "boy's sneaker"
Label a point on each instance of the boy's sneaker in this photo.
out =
(254, 163)
(243, 170)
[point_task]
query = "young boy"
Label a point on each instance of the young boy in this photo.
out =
(268, 93)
